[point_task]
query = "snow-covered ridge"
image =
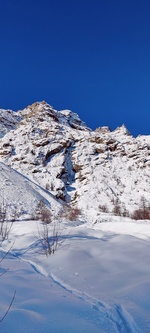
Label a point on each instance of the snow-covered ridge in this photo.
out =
(56, 150)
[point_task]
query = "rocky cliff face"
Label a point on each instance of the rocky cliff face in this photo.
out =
(56, 150)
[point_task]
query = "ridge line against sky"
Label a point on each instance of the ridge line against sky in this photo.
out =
(91, 57)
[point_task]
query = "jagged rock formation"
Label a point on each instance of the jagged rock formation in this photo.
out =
(59, 152)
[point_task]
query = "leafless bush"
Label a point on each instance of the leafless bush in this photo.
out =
(103, 208)
(125, 212)
(5, 222)
(117, 210)
(48, 236)
(48, 231)
(129, 168)
(42, 213)
(120, 210)
(141, 214)
(52, 186)
(46, 215)
(47, 186)
(71, 213)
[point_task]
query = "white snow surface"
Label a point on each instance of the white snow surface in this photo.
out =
(98, 279)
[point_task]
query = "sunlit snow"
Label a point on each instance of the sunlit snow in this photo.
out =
(98, 279)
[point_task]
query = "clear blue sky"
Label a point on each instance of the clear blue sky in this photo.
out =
(90, 56)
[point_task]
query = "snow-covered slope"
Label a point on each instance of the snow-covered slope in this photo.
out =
(22, 195)
(97, 280)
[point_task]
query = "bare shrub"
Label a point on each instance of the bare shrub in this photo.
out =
(42, 213)
(52, 186)
(47, 186)
(120, 210)
(117, 210)
(48, 236)
(46, 215)
(5, 222)
(125, 212)
(141, 214)
(71, 213)
(48, 231)
(103, 208)
(129, 168)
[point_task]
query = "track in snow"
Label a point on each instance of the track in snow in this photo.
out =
(120, 318)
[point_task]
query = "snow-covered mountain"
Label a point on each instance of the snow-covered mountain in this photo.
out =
(97, 276)
(90, 169)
